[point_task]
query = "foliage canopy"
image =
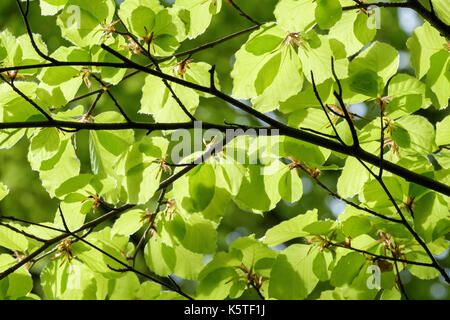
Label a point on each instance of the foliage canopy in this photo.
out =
(137, 220)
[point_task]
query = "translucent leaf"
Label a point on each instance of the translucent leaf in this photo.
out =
(321, 227)
(13, 240)
(255, 197)
(200, 14)
(62, 166)
(197, 234)
(290, 186)
(177, 260)
(158, 101)
(125, 287)
(352, 178)
(201, 186)
(128, 223)
(380, 58)
(3, 191)
(316, 57)
(424, 42)
(110, 74)
(71, 281)
(366, 82)
(9, 137)
(442, 132)
(266, 68)
(148, 291)
(19, 282)
(438, 79)
(347, 269)
(292, 275)
(421, 135)
(145, 18)
(279, 79)
(295, 15)
(407, 95)
(56, 76)
(362, 31)
(44, 144)
(80, 21)
(442, 10)
(96, 260)
(307, 98)
(255, 255)
(356, 225)
(431, 217)
(327, 13)
(105, 146)
(421, 272)
(51, 7)
(290, 229)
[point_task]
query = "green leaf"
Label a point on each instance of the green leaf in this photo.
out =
(420, 131)
(139, 16)
(354, 31)
(347, 269)
(255, 254)
(421, 272)
(201, 186)
(197, 234)
(9, 137)
(442, 132)
(424, 43)
(62, 166)
(158, 101)
(51, 7)
(128, 223)
(80, 21)
(327, 13)
(373, 194)
(72, 281)
(356, 225)
(259, 189)
(164, 260)
(96, 260)
(380, 58)
(407, 95)
(322, 227)
(295, 15)
(442, 10)
(200, 13)
(279, 79)
(307, 98)
(290, 229)
(292, 275)
(13, 240)
(145, 18)
(19, 282)
(44, 144)
(105, 146)
(290, 186)
(316, 57)
(366, 82)
(431, 217)
(438, 79)
(125, 287)
(110, 74)
(267, 69)
(3, 191)
(57, 76)
(352, 178)
(148, 291)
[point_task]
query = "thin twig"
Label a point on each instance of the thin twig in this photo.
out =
(242, 13)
